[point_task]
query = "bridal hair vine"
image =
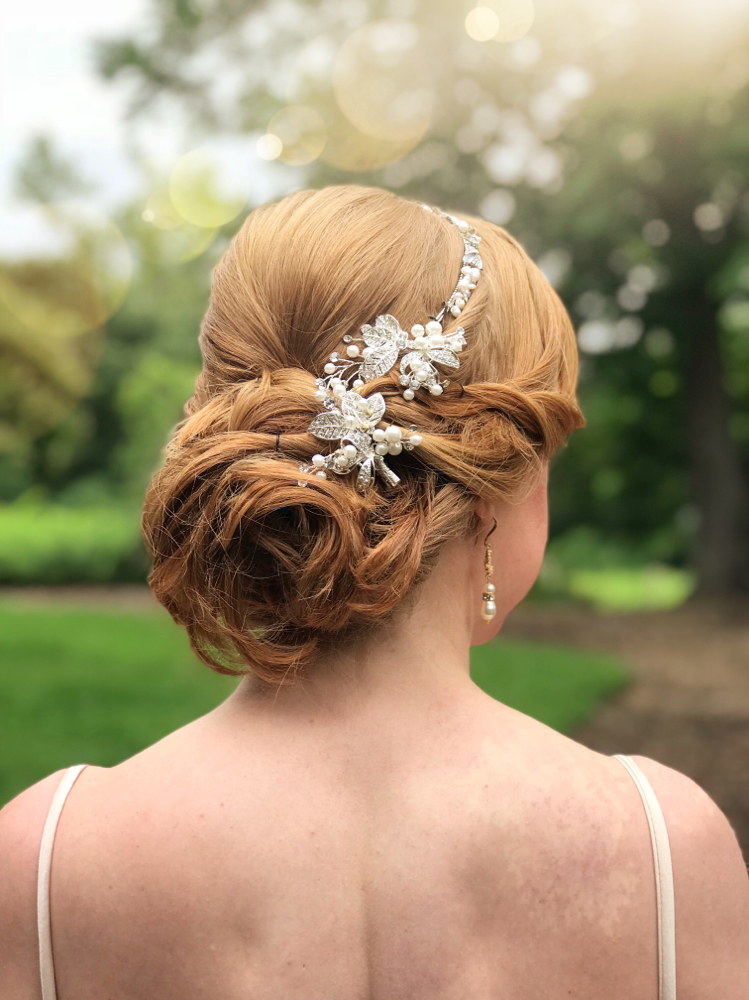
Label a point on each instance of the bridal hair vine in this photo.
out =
(351, 418)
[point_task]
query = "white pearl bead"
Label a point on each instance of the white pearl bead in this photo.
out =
(455, 310)
(349, 450)
(417, 330)
(462, 226)
(475, 273)
(381, 449)
(358, 383)
(378, 434)
(489, 588)
(341, 461)
(437, 340)
(436, 389)
(366, 352)
(351, 420)
(352, 350)
(395, 447)
(464, 284)
(408, 394)
(420, 343)
(393, 433)
(339, 390)
(321, 474)
(318, 460)
(329, 368)
(320, 395)
(488, 610)
(460, 301)
(433, 327)
(415, 440)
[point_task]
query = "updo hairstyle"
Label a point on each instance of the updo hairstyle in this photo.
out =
(265, 574)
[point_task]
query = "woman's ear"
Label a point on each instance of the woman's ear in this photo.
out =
(485, 513)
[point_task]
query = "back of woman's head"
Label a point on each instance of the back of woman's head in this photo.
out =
(266, 573)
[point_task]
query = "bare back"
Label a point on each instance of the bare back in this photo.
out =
(483, 856)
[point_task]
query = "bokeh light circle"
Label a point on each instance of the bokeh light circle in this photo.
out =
(269, 146)
(482, 23)
(516, 18)
(208, 188)
(160, 210)
(301, 133)
(383, 81)
(164, 237)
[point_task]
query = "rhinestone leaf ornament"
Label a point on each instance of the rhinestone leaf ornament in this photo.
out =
(363, 445)
(383, 342)
(349, 417)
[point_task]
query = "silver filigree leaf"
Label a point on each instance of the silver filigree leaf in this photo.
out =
(385, 471)
(374, 338)
(391, 324)
(411, 360)
(360, 439)
(353, 405)
(444, 356)
(375, 408)
(329, 426)
(386, 330)
(378, 363)
(364, 478)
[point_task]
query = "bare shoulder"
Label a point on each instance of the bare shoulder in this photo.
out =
(711, 888)
(21, 825)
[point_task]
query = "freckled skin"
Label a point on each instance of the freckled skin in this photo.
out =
(384, 832)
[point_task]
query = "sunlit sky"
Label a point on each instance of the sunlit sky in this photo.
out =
(48, 85)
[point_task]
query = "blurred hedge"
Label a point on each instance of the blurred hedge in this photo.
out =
(55, 545)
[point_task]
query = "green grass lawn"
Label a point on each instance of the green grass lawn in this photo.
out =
(84, 685)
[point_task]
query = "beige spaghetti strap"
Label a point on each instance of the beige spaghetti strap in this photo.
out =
(46, 964)
(664, 880)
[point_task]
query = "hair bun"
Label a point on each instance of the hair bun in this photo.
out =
(270, 565)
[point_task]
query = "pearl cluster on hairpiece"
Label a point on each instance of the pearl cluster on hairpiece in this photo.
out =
(351, 418)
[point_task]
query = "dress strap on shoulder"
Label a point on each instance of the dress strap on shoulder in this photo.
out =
(46, 964)
(664, 880)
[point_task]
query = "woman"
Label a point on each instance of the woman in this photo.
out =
(356, 495)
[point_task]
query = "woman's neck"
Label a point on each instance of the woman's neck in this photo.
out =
(416, 656)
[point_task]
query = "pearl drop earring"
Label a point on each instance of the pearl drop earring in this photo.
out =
(488, 606)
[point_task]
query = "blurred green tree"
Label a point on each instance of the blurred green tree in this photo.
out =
(69, 348)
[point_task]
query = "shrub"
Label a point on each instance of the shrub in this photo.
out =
(47, 544)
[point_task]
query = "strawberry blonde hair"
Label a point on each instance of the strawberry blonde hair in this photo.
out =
(265, 574)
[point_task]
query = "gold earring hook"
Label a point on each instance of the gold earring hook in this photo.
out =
(491, 530)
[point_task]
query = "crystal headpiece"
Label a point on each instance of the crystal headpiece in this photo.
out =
(351, 418)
